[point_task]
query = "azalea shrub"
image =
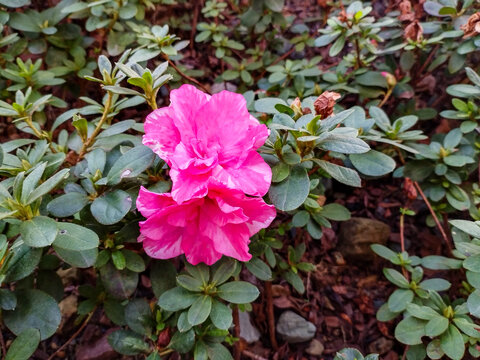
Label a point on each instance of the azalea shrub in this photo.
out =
(167, 170)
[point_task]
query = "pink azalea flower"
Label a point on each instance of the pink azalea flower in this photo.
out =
(208, 138)
(203, 229)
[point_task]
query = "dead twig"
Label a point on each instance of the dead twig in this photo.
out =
(185, 76)
(85, 322)
(270, 314)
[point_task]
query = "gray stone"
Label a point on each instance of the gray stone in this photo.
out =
(248, 332)
(315, 348)
(294, 328)
(357, 234)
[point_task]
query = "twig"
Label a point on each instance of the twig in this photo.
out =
(435, 218)
(196, 13)
(2, 344)
(85, 322)
(429, 59)
(253, 356)
(277, 60)
(402, 241)
(91, 139)
(270, 315)
(236, 322)
(189, 78)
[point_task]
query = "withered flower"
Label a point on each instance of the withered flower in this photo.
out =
(414, 31)
(406, 13)
(325, 103)
(472, 27)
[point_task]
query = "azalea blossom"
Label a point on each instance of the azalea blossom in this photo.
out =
(204, 229)
(207, 138)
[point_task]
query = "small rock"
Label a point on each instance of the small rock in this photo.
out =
(315, 348)
(294, 328)
(68, 307)
(357, 234)
(248, 332)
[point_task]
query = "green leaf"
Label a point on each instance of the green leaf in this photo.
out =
(280, 172)
(344, 144)
(300, 219)
(128, 343)
(337, 46)
(182, 342)
(8, 300)
(162, 276)
(238, 292)
(23, 262)
(384, 313)
(138, 316)
(291, 192)
(118, 260)
(473, 303)
(410, 330)
(111, 207)
(436, 326)
(221, 315)
(200, 310)
(189, 283)
(24, 345)
(469, 227)
(38, 232)
(118, 283)
(15, 3)
(134, 261)
(258, 268)
(176, 299)
(47, 186)
(35, 309)
(75, 237)
(68, 204)
(340, 173)
(384, 252)
(452, 343)
(131, 164)
(80, 259)
(373, 163)
(399, 300)
(335, 212)
(217, 351)
(275, 5)
(396, 278)
(222, 270)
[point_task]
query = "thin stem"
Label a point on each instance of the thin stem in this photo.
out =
(2, 344)
(85, 322)
(386, 97)
(185, 76)
(236, 322)
(91, 139)
(37, 133)
(435, 218)
(402, 241)
(270, 314)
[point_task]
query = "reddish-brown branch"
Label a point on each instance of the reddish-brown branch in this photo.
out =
(435, 218)
(270, 314)
(236, 324)
(185, 76)
(80, 329)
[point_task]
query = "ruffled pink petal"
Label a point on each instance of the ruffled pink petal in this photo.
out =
(186, 103)
(161, 133)
(148, 202)
(188, 186)
(199, 248)
(167, 242)
(253, 176)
